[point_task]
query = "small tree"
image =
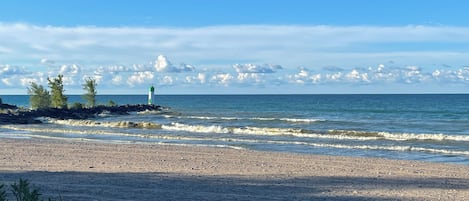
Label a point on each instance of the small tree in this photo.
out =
(90, 87)
(58, 99)
(112, 103)
(39, 97)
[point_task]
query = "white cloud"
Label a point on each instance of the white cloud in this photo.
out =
(47, 62)
(7, 81)
(222, 79)
(354, 75)
(167, 80)
(250, 78)
(122, 56)
(163, 65)
(288, 45)
(6, 70)
(201, 77)
(139, 78)
(251, 68)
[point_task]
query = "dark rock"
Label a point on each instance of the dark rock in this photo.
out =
(29, 117)
(4, 106)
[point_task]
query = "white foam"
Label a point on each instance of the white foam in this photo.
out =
(195, 128)
(256, 131)
(253, 118)
(90, 123)
(400, 136)
(231, 140)
(152, 112)
(413, 136)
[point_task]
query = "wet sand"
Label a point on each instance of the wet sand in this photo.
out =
(99, 171)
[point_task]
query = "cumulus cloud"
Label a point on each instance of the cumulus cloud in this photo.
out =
(222, 79)
(109, 55)
(252, 68)
(200, 78)
(139, 78)
(167, 80)
(6, 70)
(162, 64)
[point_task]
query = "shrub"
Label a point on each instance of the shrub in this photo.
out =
(58, 99)
(3, 194)
(39, 97)
(90, 87)
(111, 103)
(77, 105)
(22, 192)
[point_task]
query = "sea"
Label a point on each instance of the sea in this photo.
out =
(424, 127)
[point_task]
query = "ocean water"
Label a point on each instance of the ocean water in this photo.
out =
(411, 127)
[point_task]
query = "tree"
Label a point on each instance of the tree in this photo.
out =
(39, 97)
(90, 87)
(58, 99)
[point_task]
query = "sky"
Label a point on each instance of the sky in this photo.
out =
(237, 46)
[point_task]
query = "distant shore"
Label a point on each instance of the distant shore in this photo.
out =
(79, 170)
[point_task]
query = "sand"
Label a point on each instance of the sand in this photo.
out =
(99, 171)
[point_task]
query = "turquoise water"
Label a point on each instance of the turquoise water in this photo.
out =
(413, 127)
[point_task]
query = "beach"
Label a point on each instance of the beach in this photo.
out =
(85, 170)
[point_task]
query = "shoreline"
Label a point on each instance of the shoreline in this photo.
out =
(101, 171)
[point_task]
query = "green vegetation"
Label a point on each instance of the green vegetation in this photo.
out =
(76, 105)
(58, 99)
(39, 97)
(22, 192)
(90, 96)
(111, 103)
(3, 194)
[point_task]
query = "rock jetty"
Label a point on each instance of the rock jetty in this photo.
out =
(13, 115)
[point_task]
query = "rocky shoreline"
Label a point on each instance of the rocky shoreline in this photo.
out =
(13, 115)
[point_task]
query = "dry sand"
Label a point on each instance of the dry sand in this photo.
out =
(98, 171)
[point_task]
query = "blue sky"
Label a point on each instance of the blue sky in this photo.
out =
(237, 47)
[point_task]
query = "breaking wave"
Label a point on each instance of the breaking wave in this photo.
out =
(226, 142)
(295, 120)
(117, 124)
(331, 134)
(254, 131)
(400, 136)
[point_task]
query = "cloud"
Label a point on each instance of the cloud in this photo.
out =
(72, 74)
(252, 68)
(199, 79)
(286, 45)
(139, 78)
(47, 62)
(380, 75)
(222, 79)
(334, 55)
(7, 70)
(163, 65)
(332, 68)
